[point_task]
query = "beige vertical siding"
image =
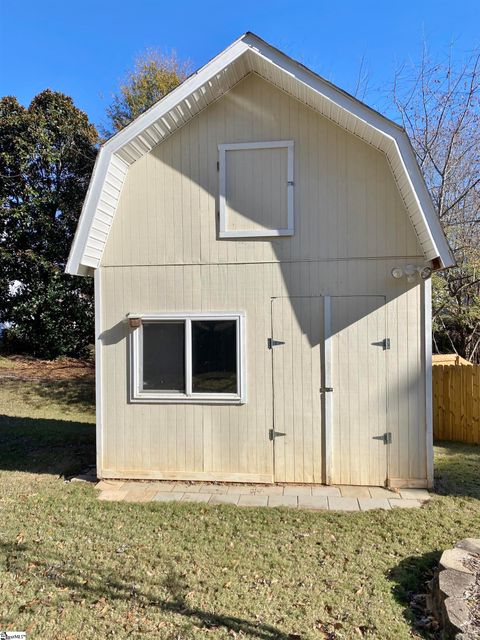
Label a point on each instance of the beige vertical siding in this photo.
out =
(296, 368)
(359, 380)
(163, 254)
(346, 201)
(246, 208)
(231, 442)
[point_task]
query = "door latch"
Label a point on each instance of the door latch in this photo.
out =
(326, 389)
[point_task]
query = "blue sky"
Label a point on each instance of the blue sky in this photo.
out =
(84, 47)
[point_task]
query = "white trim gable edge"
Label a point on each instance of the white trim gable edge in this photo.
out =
(167, 115)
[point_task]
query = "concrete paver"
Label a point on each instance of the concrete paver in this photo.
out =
(315, 497)
(134, 486)
(283, 501)
(105, 485)
(112, 496)
(140, 496)
(253, 501)
(161, 486)
(167, 496)
(269, 490)
(226, 498)
(245, 490)
(297, 490)
(343, 504)
(405, 504)
(334, 492)
(414, 494)
(366, 504)
(196, 497)
(213, 488)
(184, 487)
(354, 492)
(317, 503)
(381, 492)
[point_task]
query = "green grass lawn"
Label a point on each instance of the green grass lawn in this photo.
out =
(73, 567)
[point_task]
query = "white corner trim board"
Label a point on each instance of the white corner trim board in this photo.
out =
(427, 320)
(223, 149)
(98, 370)
(246, 55)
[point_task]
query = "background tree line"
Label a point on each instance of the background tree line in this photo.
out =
(47, 153)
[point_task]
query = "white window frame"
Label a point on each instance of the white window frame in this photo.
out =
(223, 227)
(138, 394)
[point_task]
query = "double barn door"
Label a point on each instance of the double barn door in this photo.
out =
(329, 390)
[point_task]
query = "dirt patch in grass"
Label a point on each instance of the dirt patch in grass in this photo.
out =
(25, 368)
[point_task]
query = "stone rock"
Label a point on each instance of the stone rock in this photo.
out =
(457, 615)
(454, 583)
(454, 559)
(470, 544)
(450, 588)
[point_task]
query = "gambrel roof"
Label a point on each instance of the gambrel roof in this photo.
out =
(248, 54)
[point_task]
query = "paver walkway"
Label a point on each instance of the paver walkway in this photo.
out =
(317, 497)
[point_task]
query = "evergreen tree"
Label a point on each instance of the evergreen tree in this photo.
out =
(47, 154)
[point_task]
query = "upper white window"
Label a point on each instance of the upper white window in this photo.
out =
(187, 357)
(256, 189)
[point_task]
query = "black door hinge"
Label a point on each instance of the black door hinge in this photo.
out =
(386, 438)
(272, 434)
(274, 343)
(385, 344)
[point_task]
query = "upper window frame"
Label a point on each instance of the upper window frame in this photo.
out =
(138, 395)
(268, 233)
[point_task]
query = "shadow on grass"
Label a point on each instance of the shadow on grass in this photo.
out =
(410, 578)
(77, 394)
(41, 445)
(457, 469)
(111, 589)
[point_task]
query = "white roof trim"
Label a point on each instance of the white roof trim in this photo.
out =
(249, 53)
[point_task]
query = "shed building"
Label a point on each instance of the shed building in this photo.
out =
(261, 244)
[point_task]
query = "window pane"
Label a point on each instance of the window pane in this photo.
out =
(214, 356)
(164, 356)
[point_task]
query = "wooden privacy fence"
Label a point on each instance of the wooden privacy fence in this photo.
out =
(456, 402)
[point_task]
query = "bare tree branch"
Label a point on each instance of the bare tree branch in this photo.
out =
(438, 104)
